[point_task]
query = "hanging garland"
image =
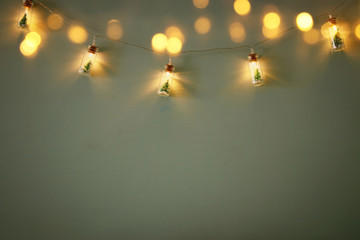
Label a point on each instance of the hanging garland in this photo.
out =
(304, 22)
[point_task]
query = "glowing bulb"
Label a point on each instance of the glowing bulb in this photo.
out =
(335, 34)
(174, 31)
(237, 32)
(114, 29)
(256, 73)
(88, 60)
(28, 48)
(34, 37)
(202, 25)
(201, 3)
(159, 42)
(166, 80)
(25, 16)
(55, 22)
(357, 31)
(174, 45)
(304, 21)
(77, 34)
(312, 36)
(272, 20)
(242, 7)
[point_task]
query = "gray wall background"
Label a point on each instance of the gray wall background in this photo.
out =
(106, 158)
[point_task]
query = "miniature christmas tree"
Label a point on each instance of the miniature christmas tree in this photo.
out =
(23, 21)
(87, 67)
(257, 75)
(338, 41)
(166, 87)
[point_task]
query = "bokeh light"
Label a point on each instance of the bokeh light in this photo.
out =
(114, 29)
(201, 3)
(312, 36)
(272, 20)
(357, 31)
(202, 25)
(174, 31)
(55, 22)
(270, 33)
(33, 37)
(174, 45)
(237, 32)
(242, 7)
(325, 30)
(304, 21)
(159, 42)
(28, 48)
(77, 34)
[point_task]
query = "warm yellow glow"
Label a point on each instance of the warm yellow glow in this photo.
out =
(28, 48)
(312, 36)
(173, 31)
(159, 42)
(270, 33)
(357, 31)
(325, 30)
(304, 21)
(202, 25)
(174, 45)
(242, 7)
(237, 32)
(77, 34)
(33, 37)
(201, 3)
(345, 29)
(55, 22)
(272, 20)
(114, 29)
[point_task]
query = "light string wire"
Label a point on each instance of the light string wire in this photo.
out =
(72, 22)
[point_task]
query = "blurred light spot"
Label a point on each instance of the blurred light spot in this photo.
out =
(304, 21)
(33, 37)
(237, 32)
(201, 3)
(357, 31)
(173, 31)
(325, 30)
(174, 45)
(242, 7)
(270, 33)
(312, 36)
(114, 29)
(55, 22)
(202, 25)
(272, 20)
(159, 42)
(346, 29)
(77, 34)
(28, 48)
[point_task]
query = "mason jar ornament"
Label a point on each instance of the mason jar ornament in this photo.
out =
(25, 15)
(335, 34)
(166, 80)
(88, 60)
(256, 73)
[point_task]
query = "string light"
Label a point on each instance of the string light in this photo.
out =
(256, 73)
(304, 21)
(335, 34)
(89, 58)
(242, 7)
(166, 80)
(25, 15)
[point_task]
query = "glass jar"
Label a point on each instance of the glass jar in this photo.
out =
(88, 60)
(256, 73)
(166, 80)
(336, 37)
(25, 15)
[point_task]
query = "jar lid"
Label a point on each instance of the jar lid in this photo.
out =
(253, 57)
(169, 68)
(93, 49)
(28, 3)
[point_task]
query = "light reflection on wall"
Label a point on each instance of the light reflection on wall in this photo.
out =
(174, 31)
(77, 34)
(312, 36)
(242, 7)
(237, 32)
(54, 22)
(202, 25)
(114, 29)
